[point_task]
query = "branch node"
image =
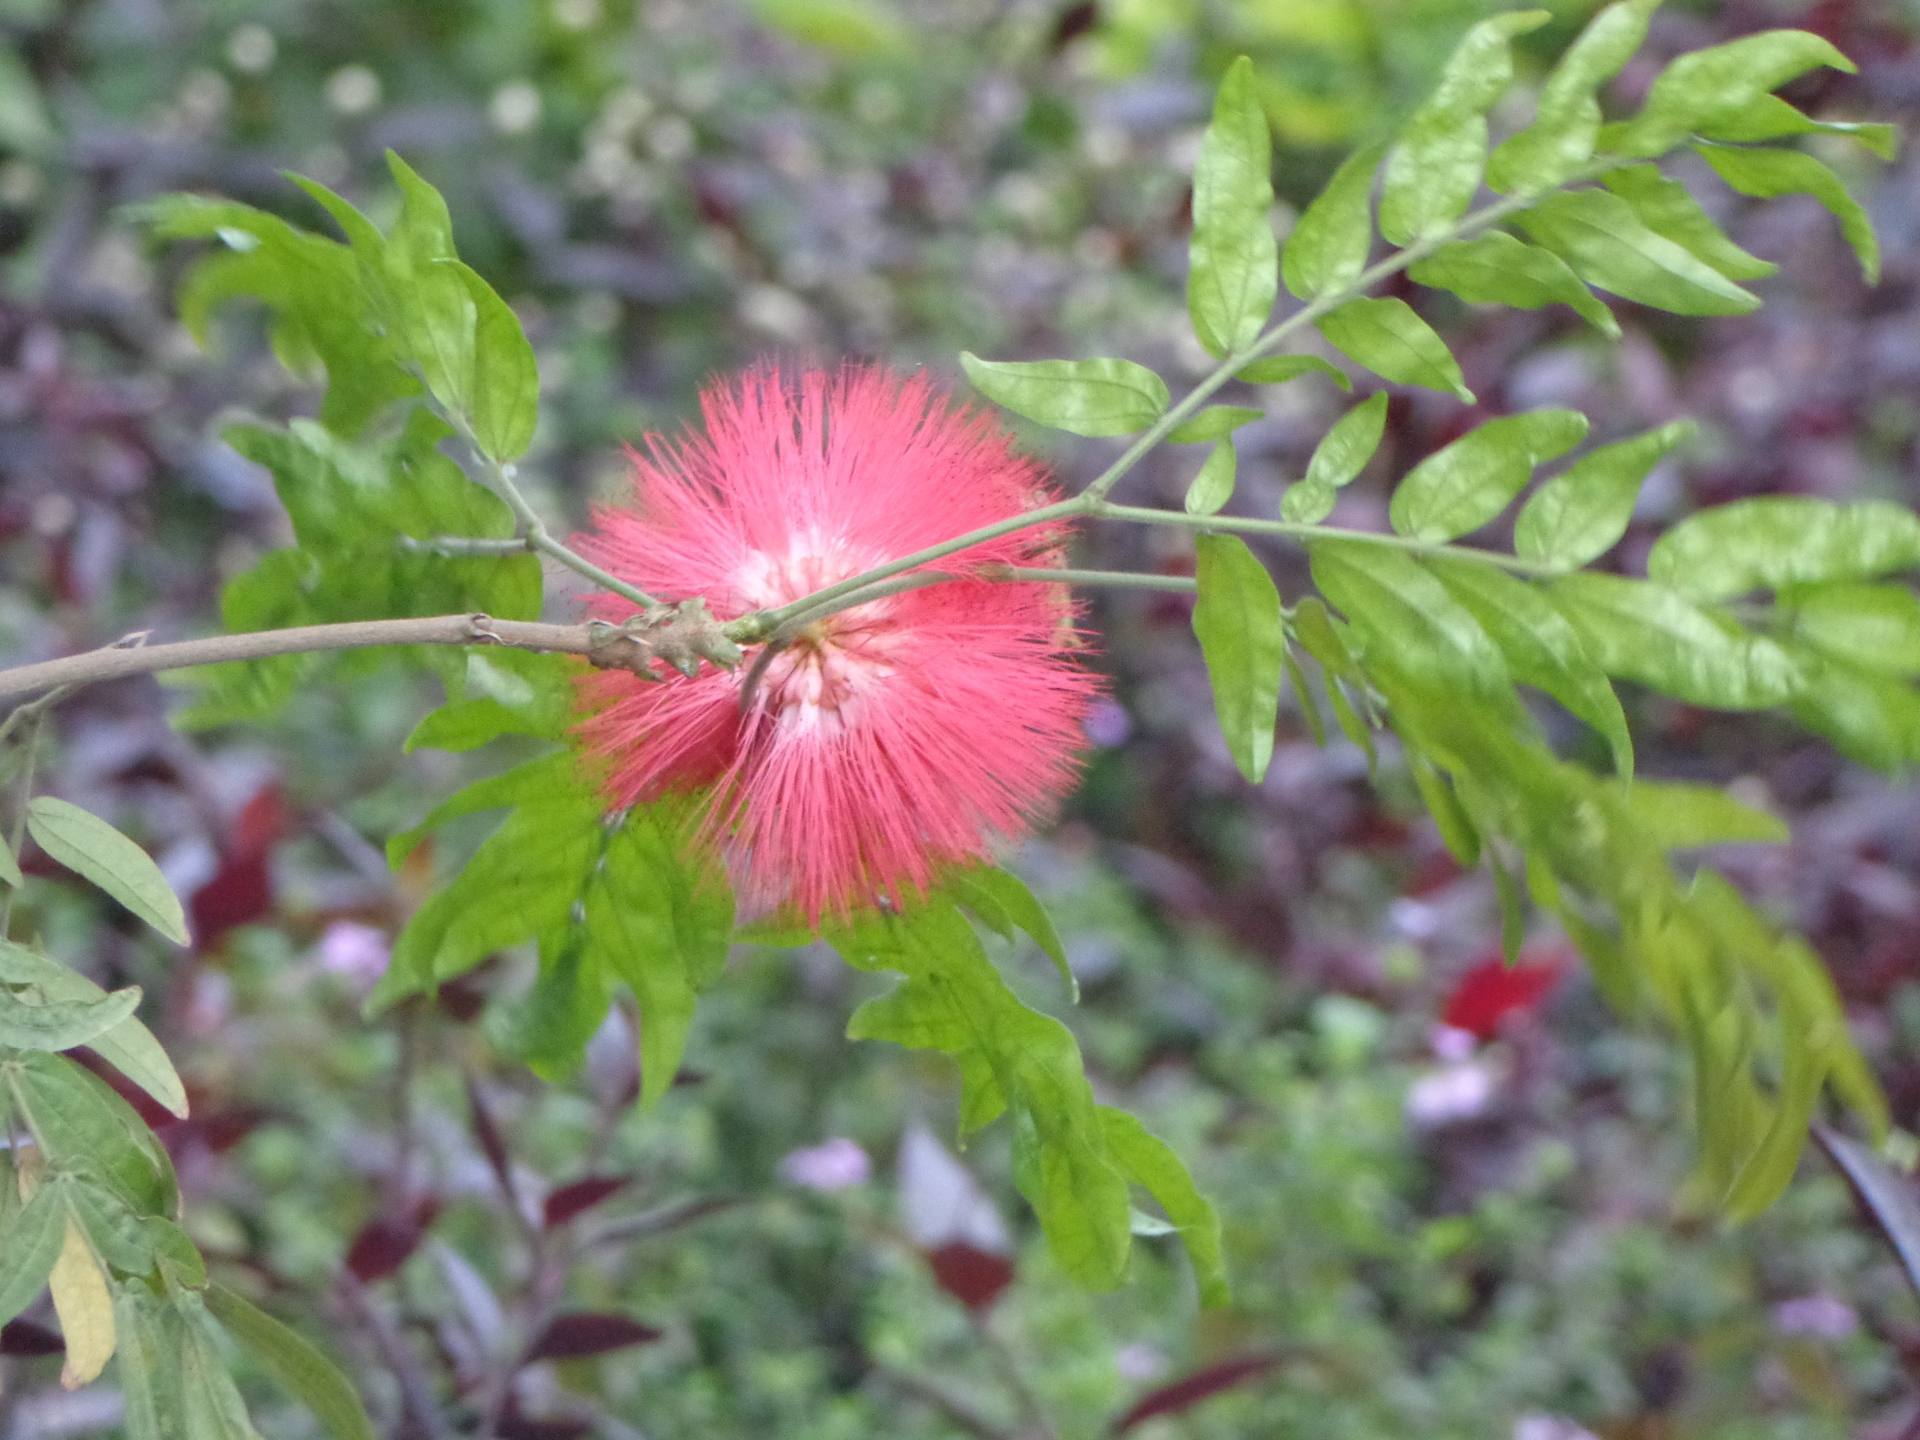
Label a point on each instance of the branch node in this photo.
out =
(680, 636)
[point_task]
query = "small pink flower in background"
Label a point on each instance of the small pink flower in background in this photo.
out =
(356, 953)
(888, 741)
(836, 1164)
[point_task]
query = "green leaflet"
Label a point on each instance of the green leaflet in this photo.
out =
(1337, 461)
(1001, 901)
(1540, 646)
(84, 1126)
(1389, 339)
(1876, 627)
(1771, 118)
(1242, 634)
(1233, 256)
(1011, 1058)
(1777, 540)
(1768, 174)
(1412, 625)
(1461, 487)
(1213, 486)
(307, 1374)
(1647, 632)
(9, 865)
(1709, 87)
(1668, 208)
(1279, 369)
(1152, 1164)
(1561, 138)
(1873, 718)
(62, 1024)
(1433, 170)
(1497, 269)
(33, 1233)
(95, 851)
(127, 1046)
(1582, 512)
(1083, 397)
(1598, 234)
(1328, 246)
(1216, 422)
(1678, 817)
(502, 391)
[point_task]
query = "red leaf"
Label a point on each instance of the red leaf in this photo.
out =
(384, 1245)
(582, 1195)
(1190, 1390)
(239, 893)
(1491, 991)
(590, 1333)
(23, 1337)
(491, 1142)
(973, 1276)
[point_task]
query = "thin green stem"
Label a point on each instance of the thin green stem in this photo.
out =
(1102, 579)
(1244, 525)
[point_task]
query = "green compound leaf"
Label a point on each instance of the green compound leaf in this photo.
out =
(1711, 87)
(1582, 512)
(55, 1025)
(1668, 208)
(128, 1046)
(1233, 258)
(1434, 169)
(299, 1365)
(1243, 638)
(1012, 1059)
(1561, 138)
(1213, 486)
(95, 851)
(1409, 621)
(1778, 540)
(1328, 247)
(1387, 337)
(1640, 631)
(1767, 174)
(1598, 234)
(1498, 269)
(1461, 487)
(1094, 398)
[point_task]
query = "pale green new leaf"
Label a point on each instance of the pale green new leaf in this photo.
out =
(431, 310)
(1387, 337)
(1328, 246)
(1243, 637)
(1773, 541)
(1561, 138)
(94, 850)
(1498, 269)
(1434, 169)
(1668, 208)
(1705, 88)
(1582, 512)
(308, 1375)
(1083, 397)
(128, 1046)
(1461, 487)
(1213, 486)
(1598, 234)
(1876, 627)
(1767, 174)
(1233, 258)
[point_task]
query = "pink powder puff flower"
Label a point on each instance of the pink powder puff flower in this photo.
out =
(887, 742)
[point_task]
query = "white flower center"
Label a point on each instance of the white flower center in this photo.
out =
(826, 673)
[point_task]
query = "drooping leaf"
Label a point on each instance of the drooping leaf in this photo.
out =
(1561, 138)
(308, 1375)
(1083, 397)
(95, 851)
(1498, 269)
(1242, 636)
(1767, 174)
(1889, 1196)
(1598, 234)
(1233, 258)
(1582, 512)
(1328, 246)
(1213, 486)
(1772, 541)
(1461, 487)
(1387, 337)
(1433, 170)
(1705, 88)
(127, 1046)
(1668, 208)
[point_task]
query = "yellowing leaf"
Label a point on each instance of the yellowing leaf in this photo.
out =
(85, 1307)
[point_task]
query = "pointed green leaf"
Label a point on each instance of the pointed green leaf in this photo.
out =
(1389, 339)
(1497, 269)
(1767, 174)
(1777, 540)
(1216, 422)
(1876, 627)
(1561, 138)
(1461, 487)
(1600, 237)
(1582, 512)
(128, 1046)
(1873, 718)
(1279, 369)
(1001, 901)
(1152, 1164)
(1343, 452)
(503, 392)
(1434, 169)
(299, 1365)
(1083, 397)
(94, 850)
(34, 1234)
(1410, 622)
(1450, 817)
(1233, 259)
(1213, 486)
(1328, 246)
(1771, 118)
(1668, 208)
(55, 1025)
(1709, 87)
(1678, 817)
(433, 313)
(1242, 635)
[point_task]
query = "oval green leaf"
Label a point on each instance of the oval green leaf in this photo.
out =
(1243, 638)
(1095, 398)
(94, 850)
